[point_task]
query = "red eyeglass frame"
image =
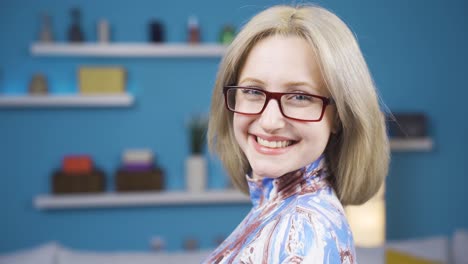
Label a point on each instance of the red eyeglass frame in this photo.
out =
(277, 96)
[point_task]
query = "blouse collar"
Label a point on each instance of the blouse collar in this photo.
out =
(305, 180)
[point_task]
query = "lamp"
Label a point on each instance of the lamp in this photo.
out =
(367, 221)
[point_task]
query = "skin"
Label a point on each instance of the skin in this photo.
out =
(282, 64)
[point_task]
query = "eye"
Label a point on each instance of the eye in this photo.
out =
(300, 98)
(252, 93)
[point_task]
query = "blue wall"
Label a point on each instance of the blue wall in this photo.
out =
(415, 49)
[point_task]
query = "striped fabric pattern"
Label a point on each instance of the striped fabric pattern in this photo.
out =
(296, 218)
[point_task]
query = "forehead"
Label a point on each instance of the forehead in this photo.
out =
(278, 60)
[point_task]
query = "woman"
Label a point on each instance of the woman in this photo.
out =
(296, 122)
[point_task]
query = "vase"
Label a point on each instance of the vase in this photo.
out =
(195, 172)
(103, 30)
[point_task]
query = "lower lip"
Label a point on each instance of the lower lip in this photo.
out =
(266, 150)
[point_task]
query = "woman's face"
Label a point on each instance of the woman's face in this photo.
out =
(273, 144)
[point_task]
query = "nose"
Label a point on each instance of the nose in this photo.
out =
(272, 119)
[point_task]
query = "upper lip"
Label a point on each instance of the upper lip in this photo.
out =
(273, 138)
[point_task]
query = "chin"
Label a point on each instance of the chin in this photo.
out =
(268, 171)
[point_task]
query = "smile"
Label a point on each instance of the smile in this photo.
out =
(274, 144)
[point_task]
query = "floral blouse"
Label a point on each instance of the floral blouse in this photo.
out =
(296, 218)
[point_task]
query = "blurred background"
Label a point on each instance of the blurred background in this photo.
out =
(416, 51)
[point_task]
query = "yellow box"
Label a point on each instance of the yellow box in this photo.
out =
(396, 257)
(101, 80)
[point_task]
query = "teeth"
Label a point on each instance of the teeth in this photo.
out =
(273, 144)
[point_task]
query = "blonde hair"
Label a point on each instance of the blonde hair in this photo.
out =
(358, 154)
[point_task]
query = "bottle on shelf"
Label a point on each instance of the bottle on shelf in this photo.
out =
(156, 31)
(75, 33)
(193, 30)
(45, 35)
(158, 244)
(191, 244)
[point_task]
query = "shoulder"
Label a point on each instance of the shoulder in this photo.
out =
(316, 231)
(323, 206)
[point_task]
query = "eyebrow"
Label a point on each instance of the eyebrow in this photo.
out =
(252, 80)
(288, 84)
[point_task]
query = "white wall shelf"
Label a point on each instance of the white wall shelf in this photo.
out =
(121, 100)
(170, 198)
(164, 198)
(129, 50)
(411, 144)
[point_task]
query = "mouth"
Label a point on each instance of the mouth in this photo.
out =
(274, 144)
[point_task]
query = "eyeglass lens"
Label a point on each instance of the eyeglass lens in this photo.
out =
(294, 105)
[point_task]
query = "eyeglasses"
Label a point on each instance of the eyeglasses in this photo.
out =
(296, 106)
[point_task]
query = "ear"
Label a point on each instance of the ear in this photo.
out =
(336, 124)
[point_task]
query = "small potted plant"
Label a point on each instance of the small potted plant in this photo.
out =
(196, 171)
(198, 126)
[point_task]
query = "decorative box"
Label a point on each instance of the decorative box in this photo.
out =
(63, 183)
(407, 125)
(101, 80)
(139, 180)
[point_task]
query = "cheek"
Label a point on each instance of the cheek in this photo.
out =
(240, 126)
(316, 135)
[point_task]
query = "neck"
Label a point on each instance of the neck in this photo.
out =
(307, 179)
